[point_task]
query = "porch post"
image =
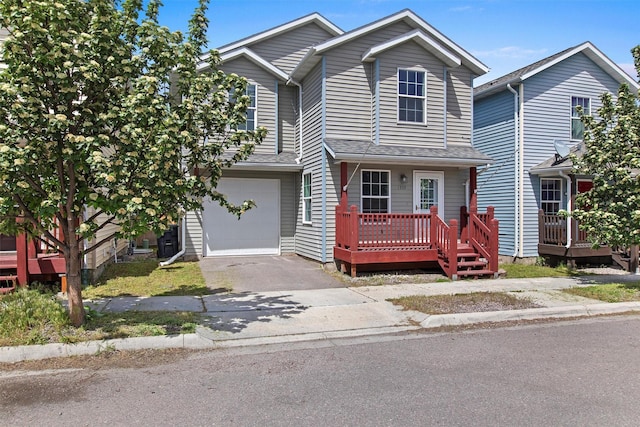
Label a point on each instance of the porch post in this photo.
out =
(453, 249)
(493, 245)
(433, 238)
(353, 228)
(473, 187)
(22, 258)
(344, 178)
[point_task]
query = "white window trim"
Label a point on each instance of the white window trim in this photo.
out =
(551, 201)
(424, 98)
(255, 109)
(362, 197)
(310, 198)
(571, 117)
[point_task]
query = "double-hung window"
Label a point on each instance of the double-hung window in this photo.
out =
(375, 191)
(306, 197)
(411, 96)
(577, 127)
(252, 115)
(550, 195)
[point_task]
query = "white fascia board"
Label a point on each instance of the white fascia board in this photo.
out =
(253, 57)
(412, 19)
(596, 56)
(315, 17)
(423, 40)
(408, 160)
(308, 61)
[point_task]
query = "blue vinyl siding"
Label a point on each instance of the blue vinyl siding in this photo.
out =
(494, 135)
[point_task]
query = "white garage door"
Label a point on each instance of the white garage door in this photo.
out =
(258, 230)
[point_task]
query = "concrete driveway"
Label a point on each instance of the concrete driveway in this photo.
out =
(265, 273)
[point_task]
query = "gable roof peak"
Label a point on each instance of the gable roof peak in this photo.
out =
(313, 17)
(587, 48)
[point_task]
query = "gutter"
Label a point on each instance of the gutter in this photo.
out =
(515, 172)
(182, 240)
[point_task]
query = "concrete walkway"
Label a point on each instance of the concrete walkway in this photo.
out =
(256, 318)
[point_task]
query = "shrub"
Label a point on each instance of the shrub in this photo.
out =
(30, 317)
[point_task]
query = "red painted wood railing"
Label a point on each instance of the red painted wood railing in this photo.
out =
(30, 249)
(358, 231)
(484, 238)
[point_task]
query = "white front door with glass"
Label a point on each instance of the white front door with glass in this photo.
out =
(428, 190)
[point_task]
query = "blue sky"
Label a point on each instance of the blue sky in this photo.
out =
(503, 34)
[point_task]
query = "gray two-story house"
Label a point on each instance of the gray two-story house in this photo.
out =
(368, 152)
(528, 121)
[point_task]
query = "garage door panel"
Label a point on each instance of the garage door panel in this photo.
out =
(256, 232)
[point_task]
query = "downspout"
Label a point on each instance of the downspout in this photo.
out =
(444, 119)
(521, 163)
(182, 240)
(515, 172)
(324, 159)
(569, 209)
(291, 81)
(275, 124)
(377, 98)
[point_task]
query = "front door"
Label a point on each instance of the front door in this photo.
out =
(428, 190)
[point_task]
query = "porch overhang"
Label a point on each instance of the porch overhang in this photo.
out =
(348, 150)
(283, 162)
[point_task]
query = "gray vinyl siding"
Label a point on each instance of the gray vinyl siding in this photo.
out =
(411, 56)
(494, 135)
(459, 111)
(401, 195)
(309, 236)
(351, 97)
(547, 109)
(288, 138)
(285, 50)
(289, 183)
(266, 98)
(351, 84)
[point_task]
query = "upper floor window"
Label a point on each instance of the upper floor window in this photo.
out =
(411, 96)
(252, 115)
(577, 127)
(306, 197)
(550, 195)
(375, 191)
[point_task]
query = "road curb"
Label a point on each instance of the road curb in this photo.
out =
(206, 338)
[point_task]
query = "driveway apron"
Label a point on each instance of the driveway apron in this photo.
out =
(265, 273)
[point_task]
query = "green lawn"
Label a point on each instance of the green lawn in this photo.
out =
(522, 271)
(147, 278)
(610, 292)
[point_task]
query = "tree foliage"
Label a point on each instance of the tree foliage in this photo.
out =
(104, 117)
(610, 211)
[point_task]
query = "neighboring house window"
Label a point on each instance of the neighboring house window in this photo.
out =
(577, 127)
(251, 110)
(411, 96)
(550, 195)
(306, 197)
(375, 191)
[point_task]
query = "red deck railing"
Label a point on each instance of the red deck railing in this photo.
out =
(37, 257)
(359, 232)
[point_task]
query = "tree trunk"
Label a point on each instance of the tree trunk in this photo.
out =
(74, 283)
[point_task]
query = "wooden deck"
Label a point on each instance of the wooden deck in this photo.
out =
(554, 239)
(403, 238)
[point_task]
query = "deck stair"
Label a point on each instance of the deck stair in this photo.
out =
(469, 264)
(8, 283)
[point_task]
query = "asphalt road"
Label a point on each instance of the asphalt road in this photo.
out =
(568, 373)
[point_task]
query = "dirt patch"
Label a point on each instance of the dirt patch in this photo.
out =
(106, 360)
(464, 303)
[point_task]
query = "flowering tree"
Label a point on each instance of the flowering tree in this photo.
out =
(103, 117)
(610, 211)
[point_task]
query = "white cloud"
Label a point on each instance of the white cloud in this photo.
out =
(509, 52)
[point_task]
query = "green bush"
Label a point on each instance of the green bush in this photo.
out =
(28, 316)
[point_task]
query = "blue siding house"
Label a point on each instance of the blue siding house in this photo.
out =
(527, 122)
